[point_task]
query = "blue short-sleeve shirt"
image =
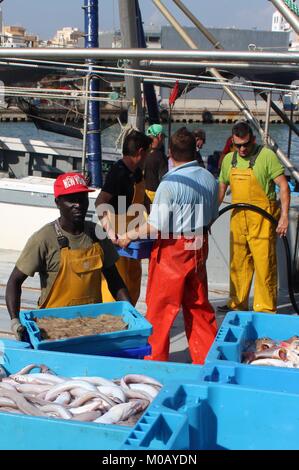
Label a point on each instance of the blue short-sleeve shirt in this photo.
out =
(186, 200)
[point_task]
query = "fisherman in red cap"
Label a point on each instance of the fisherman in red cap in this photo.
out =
(69, 254)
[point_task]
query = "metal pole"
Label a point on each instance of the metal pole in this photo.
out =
(166, 13)
(161, 64)
(199, 25)
(148, 88)
(84, 145)
(290, 131)
(169, 124)
(281, 114)
(128, 25)
(57, 55)
(93, 122)
(290, 16)
(267, 121)
(240, 103)
(214, 72)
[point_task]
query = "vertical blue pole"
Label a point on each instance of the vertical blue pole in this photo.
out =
(93, 124)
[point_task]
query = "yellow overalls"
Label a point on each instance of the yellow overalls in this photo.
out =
(128, 268)
(78, 280)
(252, 243)
(150, 195)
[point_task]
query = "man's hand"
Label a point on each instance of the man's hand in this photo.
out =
(113, 236)
(282, 226)
(283, 222)
(123, 240)
(17, 328)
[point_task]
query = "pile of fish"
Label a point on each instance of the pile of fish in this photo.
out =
(267, 352)
(59, 328)
(92, 399)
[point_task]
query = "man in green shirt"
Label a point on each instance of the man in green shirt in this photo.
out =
(69, 255)
(252, 172)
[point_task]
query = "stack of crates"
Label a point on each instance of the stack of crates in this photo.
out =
(222, 405)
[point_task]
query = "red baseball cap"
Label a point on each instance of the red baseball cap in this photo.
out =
(70, 183)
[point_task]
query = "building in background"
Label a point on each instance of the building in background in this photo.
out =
(112, 39)
(280, 24)
(66, 37)
(16, 36)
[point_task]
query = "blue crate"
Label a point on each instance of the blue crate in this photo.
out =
(272, 379)
(138, 250)
(231, 417)
(13, 343)
(161, 429)
(136, 336)
(229, 406)
(240, 327)
(218, 406)
(134, 353)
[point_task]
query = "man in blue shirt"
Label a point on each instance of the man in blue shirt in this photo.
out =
(184, 206)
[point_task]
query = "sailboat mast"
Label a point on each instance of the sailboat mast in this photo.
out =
(93, 137)
(129, 35)
(239, 102)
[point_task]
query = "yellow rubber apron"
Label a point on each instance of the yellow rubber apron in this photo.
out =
(78, 280)
(128, 268)
(252, 243)
(150, 195)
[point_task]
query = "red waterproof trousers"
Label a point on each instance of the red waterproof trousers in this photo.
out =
(178, 278)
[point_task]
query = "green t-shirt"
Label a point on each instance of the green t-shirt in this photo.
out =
(41, 253)
(266, 168)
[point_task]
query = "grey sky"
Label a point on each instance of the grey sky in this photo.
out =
(44, 17)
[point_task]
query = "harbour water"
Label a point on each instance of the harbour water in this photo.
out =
(216, 135)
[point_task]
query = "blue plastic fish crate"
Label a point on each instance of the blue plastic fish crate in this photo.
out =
(136, 336)
(232, 408)
(157, 429)
(133, 353)
(239, 328)
(13, 343)
(138, 250)
(218, 406)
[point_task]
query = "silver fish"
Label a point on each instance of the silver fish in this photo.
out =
(41, 379)
(58, 410)
(149, 389)
(272, 362)
(88, 416)
(139, 379)
(21, 402)
(66, 386)
(121, 412)
(98, 381)
(114, 392)
(91, 406)
(63, 399)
